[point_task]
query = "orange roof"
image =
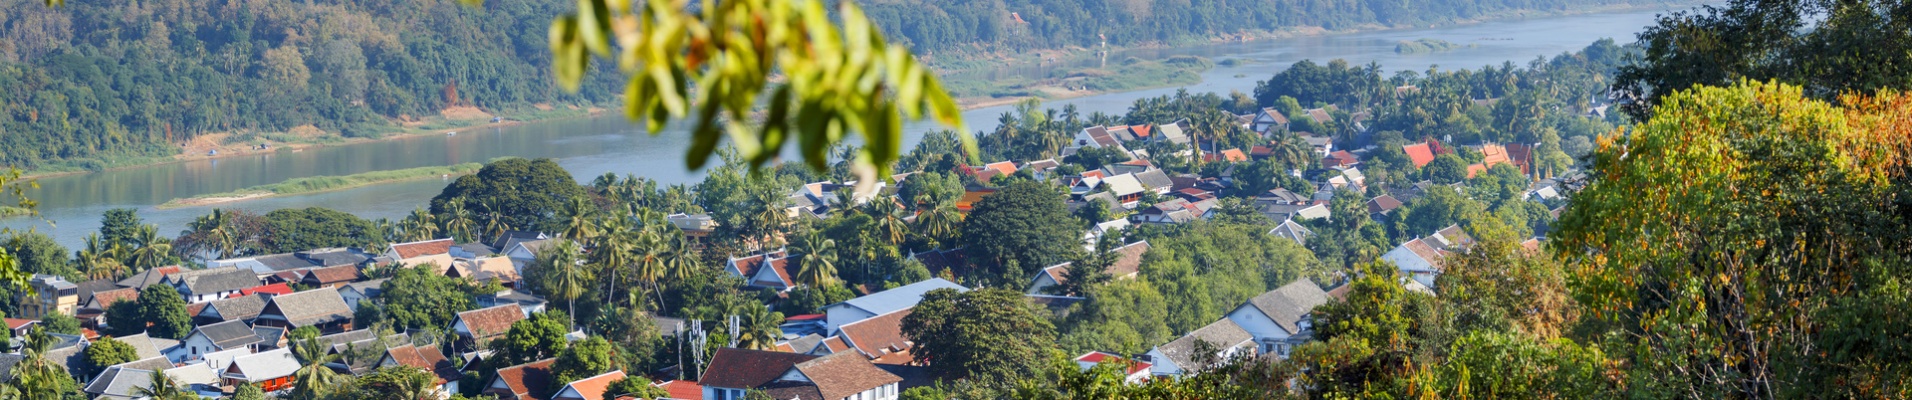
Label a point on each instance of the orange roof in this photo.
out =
(1494, 154)
(1475, 169)
(682, 389)
(276, 289)
(425, 248)
(17, 323)
(1098, 357)
(971, 197)
(1420, 153)
(106, 298)
(521, 380)
(1234, 155)
(1141, 131)
(1005, 167)
(591, 388)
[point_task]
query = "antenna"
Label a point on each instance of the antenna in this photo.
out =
(734, 332)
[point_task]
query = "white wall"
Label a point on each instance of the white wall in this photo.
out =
(843, 314)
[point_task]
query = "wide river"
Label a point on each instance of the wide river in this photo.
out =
(589, 147)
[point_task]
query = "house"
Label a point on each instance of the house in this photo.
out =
(212, 284)
(768, 270)
(1230, 155)
(1282, 196)
(331, 277)
(271, 290)
(953, 261)
(488, 269)
(525, 301)
(481, 325)
(992, 170)
(271, 371)
(18, 327)
(681, 390)
(519, 382)
(1155, 180)
(1135, 372)
(1171, 132)
(1097, 137)
(1126, 188)
(51, 294)
(883, 302)
(1419, 153)
(1127, 263)
(1183, 355)
(1279, 319)
(148, 277)
(732, 372)
(410, 250)
(1041, 169)
(197, 379)
(879, 338)
(427, 358)
(1320, 116)
(1340, 159)
(1382, 205)
(206, 339)
(322, 308)
(524, 252)
(1292, 231)
(591, 388)
(242, 308)
(124, 381)
(1318, 210)
(1416, 259)
(1267, 121)
(355, 292)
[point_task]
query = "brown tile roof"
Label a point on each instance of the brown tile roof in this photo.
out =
(330, 275)
(593, 388)
(1130, 261)
(490, 322)
(1058, 272)
(105, 299)
(748, 369)
(879, 335)
(1383, 204)
(424, 357)
(499, 268)
(685, 390)
(835, 345)
(843, 375)
(523, 379)
(1425, 252)
(425, 248)
(781, 266)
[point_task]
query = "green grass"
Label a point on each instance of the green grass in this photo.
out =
(1425, 46)
(10, 211)
(314, 184)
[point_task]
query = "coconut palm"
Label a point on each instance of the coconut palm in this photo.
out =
(153, 251)
(818, 263)
(889, 220)
(459, 222)
(939, 223)
(219, 232)
(420, 226)
(36, 376)
(495, 224)
(758, 327)
(1291, 150)
(578, 223)
(163, 387)
(770, 216)
(615, 250)
(564, 277)
(314, 380)
(100, 260)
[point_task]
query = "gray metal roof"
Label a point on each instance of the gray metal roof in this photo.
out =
(1290, 303)
(1154, 179)
(267, 365)
(216, 280)
(311, 307)
(237, 308)
(229, 335)
(1223, 334)
(906, 296)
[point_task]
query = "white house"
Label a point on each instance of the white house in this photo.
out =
(1279, 319)
(207, 339)
(1183, 356)
(884, 302)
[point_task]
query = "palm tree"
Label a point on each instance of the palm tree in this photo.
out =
(818, 262)
(459, 222)
(939, 223)
(153, 249)
(420, 226)
(314, 380)
(889, 220)
(578, 224)
(614, 250)
(1291, 151)
(163, 388)
(565, 278)
(36, 376)
(99, 261)
(219, 232)
(495, 224)
(770, 217)
(758, 328)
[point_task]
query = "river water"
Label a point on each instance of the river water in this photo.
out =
(588, 147)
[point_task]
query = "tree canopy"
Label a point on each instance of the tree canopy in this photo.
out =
(1025, 225)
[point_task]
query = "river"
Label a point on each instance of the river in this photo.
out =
(71, 205)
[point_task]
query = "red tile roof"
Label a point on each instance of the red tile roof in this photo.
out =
(1419, 153)
(427, 358)
(1141, 131)
(1475, 169)
(684, 390)
(276, 289)
(331, 275)
(425, 248)
(17, 323)
(523, 379)
(1494, 154)
(1340, 158)
(1234, 155)
(748, 369)
(105, 299)
(491, 321)
(1097, 357)
(841, 376)
(781, 266)
(593, 388)
(879, 335)
(835, 344)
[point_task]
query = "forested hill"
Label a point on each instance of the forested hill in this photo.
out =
(105, 79)
(1007, 25)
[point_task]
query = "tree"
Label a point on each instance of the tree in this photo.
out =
(120, 226)
(1445, 169)
(161, 307)
(38, 377)
(162, 387)
(38, 253)
(584, 359)
(636, 386)
(532, 339)
(61, 323)
(561, 276)
(417, 298)
(294, 229)
(314, 380)
(124, 318)
(818, 262)
(150, 250)
(1025, 224)
(527, 193)
(104, 353)
(1439, 208)
(248, 391)
(1730, 231)
(397, 383)
(980, 334)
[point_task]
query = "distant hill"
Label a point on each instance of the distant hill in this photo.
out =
(1009, 25)
(97, 80)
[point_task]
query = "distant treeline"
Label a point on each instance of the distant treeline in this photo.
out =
(997, 25)
(104, 80)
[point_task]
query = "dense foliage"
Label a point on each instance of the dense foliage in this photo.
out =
(99, 80)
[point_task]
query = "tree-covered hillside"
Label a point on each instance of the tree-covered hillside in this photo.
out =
(1000, 25)
(96, 79)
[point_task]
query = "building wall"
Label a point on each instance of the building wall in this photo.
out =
(839, 315)
(1268, 335)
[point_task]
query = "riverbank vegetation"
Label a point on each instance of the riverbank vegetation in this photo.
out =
(1129, 73)
(1424, 46)
(314, 184)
